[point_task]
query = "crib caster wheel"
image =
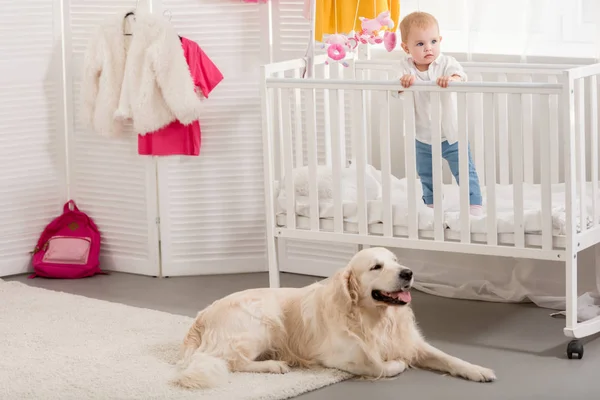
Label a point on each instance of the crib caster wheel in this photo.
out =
(575, 347)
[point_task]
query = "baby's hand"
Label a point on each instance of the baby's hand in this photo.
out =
(407, 80)
(442, 81)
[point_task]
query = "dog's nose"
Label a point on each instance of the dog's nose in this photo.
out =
(406, 274)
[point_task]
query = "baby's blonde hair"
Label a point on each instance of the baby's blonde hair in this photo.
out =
(417, 19)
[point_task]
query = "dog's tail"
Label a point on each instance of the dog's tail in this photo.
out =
(198, 369)
(203, 371)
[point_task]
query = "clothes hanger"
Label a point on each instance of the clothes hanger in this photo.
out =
(168, 14)
(131, 13)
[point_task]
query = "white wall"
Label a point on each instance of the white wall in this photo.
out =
(519, 27)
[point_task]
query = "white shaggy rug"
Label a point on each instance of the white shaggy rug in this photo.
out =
(62, 346)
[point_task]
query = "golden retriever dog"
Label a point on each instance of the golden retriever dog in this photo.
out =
(357, 321)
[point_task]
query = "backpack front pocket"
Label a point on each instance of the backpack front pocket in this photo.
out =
(67, 250)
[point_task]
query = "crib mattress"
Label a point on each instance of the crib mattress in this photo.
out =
(505, 215)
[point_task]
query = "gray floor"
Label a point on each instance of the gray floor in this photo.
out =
(521, 343)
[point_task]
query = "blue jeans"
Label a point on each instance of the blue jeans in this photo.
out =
(450, 154)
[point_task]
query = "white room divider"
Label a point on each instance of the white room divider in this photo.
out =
(158, 215)
(174, 216)
(32, 168)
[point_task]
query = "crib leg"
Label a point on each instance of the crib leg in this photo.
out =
(273, 261)
(571, 290)
(575, 346)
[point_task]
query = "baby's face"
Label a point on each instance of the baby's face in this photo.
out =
(423, 44)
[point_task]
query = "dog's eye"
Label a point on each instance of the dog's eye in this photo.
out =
(376, 266)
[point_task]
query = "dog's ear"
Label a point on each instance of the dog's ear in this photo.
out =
(350, 285)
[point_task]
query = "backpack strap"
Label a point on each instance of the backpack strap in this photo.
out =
(70, 206)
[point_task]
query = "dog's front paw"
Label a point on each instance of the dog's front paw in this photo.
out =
(277, 367)
(393, 368)
(478, 374)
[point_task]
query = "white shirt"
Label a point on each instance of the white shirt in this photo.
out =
(443, 65)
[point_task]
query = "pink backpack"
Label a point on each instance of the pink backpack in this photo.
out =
(69, 247)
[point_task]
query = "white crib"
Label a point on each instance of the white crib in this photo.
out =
(339, 159)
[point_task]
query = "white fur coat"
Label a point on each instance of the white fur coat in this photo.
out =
(143, 77)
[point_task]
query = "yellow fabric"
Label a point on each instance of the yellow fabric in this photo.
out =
(345, 10)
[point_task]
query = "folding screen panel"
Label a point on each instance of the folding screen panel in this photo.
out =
(108, 179)
(32, 146)
(212, 206)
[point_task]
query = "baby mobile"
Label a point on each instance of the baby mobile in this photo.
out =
(339, 45)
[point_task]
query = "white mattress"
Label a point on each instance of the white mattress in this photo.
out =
(504, 204)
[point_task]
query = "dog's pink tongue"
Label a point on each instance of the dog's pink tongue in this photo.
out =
(402, 296)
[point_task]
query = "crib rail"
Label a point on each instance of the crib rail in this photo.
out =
(322, 129)
(385, 85)
(480, 67)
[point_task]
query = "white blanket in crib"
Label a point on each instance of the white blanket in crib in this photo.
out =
(451, 202)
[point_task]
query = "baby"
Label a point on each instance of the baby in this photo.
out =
(421, 41)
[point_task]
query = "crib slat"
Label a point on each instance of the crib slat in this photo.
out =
(298, 144)
(386, 168)
(517, 167)
(490, 163)
(359, 133)
(278, 137)
(410, 166)
(478, 135)
(546, 178)
(528, 148)
(553, 133)
(436, 157)
(326, 118)
(368, 98)
(337, 113)
(463, 168)
(475, 120)
(502, 116)
(311, 144)
(342, 114)
(352, 76)
(580, 151)
(593, 107)
(288, 160)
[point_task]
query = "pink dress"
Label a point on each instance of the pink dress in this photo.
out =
(176, 138)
